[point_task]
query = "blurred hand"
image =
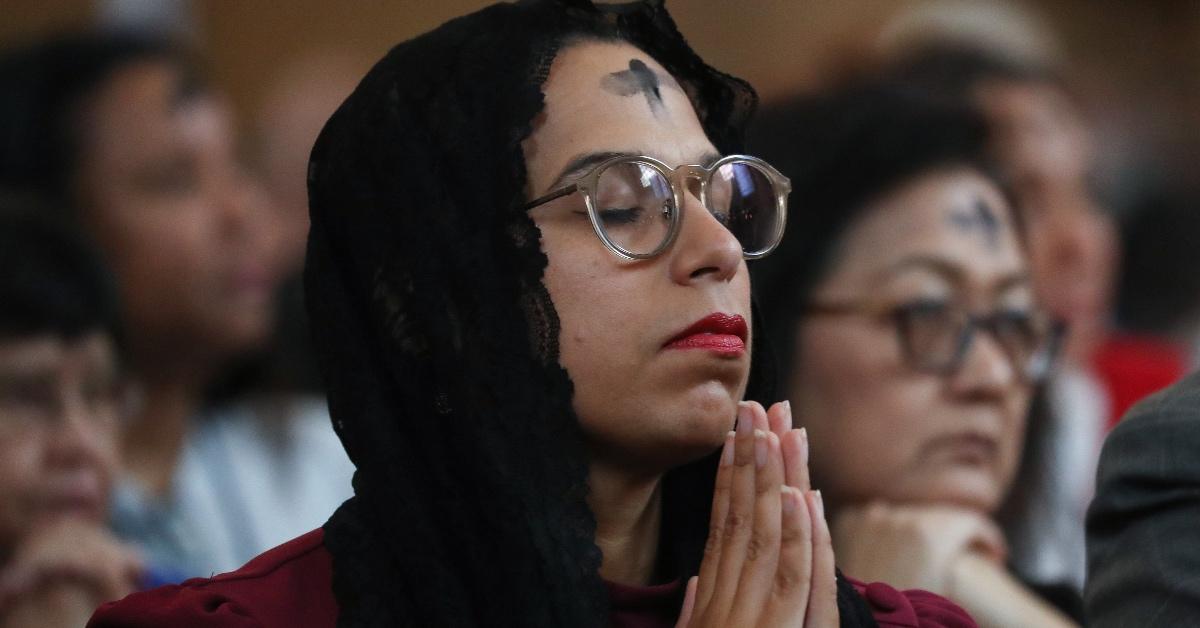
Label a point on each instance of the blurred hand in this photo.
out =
(769, 559)
(60, 573)
(913, 546)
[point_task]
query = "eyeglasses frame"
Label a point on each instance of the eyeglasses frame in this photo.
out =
(974, 323)
(588, 183)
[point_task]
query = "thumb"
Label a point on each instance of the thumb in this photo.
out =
(689, 603)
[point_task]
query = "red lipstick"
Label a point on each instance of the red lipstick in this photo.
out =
(723, 334)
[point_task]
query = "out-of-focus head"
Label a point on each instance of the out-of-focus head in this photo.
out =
(117, 130)
(1159, 287)
(1043, 147)
(60, 387)
(296, 105)
(900, 298)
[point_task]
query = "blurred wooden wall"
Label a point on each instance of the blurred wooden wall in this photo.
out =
(1138, 62)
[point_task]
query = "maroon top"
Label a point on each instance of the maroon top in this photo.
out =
(291, 586)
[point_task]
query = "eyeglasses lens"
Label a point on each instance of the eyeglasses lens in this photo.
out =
(933, 334)
(635, 203)
(742, 197)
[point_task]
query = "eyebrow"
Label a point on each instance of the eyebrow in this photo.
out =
(953, 272)
(582, 163)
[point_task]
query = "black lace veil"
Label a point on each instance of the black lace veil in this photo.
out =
(438, 342)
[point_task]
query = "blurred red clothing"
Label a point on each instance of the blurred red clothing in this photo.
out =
(1134, 366)
(291, 586)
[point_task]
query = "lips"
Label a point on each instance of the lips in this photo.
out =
(968, 448)
(723, 334)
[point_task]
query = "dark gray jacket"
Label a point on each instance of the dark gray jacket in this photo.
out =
(1143, 527)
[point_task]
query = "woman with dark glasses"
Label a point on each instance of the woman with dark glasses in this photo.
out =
(528, 285)
(901, 303)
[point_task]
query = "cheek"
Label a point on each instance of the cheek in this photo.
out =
(864, 410)
(1016, 419)
(594, 312)
(162, 254)
(20, 467)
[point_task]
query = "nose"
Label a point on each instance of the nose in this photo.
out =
(704, 248)
(235, 201)
(74, 443)
(987, 372)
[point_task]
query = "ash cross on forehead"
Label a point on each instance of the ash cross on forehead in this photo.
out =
(979, 217)
(638, 79)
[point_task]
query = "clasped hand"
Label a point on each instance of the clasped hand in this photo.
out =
(768, 560)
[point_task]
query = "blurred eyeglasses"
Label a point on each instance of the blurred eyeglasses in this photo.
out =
(39, 404)
(936, 336)
(633, 202)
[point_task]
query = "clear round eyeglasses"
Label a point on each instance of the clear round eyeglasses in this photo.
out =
(634, 202)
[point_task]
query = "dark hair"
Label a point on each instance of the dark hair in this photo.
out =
(42, 88)
(842, 151)
(52, 281)
(1159, 287)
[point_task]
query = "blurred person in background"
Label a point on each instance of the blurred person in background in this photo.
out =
(1158, 293)
(902, 306)
(61, 400)
(298, 102)
(120, 130)
(1042, 146)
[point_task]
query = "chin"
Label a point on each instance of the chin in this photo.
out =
(967, 489)
(682, 439)
(245, 332)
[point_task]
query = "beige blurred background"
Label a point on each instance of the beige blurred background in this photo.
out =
(1136, 65)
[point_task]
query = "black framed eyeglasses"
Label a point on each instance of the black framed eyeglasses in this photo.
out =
(633, 202)
(936, 336)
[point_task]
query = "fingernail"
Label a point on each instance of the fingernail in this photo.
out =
(789, 499)
(819, 503)
(804, 445)
(760, 448)
(727, 451)
(745, 418)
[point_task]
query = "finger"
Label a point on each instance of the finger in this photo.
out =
(759, 414)
(15, 582)
(780, 418)
(134, 564)
(739, 519)
(118, 582)
(689, 603)
(990, 540)
(716, 524)
(762, 550)
(793, 575)
(795, 459)
(958, 529)
(822, 598)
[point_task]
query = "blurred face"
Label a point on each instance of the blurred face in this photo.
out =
(1044, 145)
(58, 424)
(881, 428)
(650, 393)
(183, 227)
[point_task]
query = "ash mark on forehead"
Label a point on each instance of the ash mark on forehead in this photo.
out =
(979, 218)
(638, 79)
